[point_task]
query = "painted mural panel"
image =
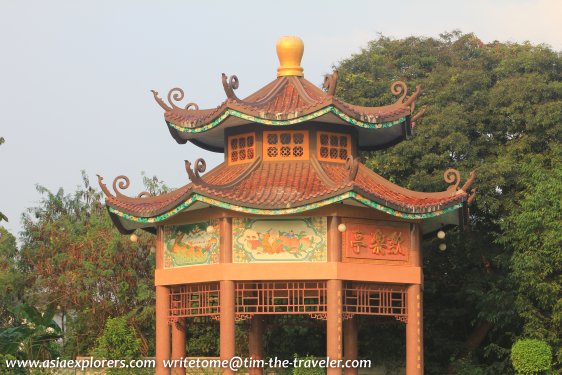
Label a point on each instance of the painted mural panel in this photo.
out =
(191, 244)
(279, 240)
(377, 240)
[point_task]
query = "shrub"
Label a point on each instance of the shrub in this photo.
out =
(118, 341)
(531, 357)
(308, 370)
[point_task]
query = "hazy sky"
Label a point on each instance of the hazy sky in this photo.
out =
(75, 76)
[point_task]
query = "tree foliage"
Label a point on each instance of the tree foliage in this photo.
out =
(2, 216)
(76, 260)
(496, 108)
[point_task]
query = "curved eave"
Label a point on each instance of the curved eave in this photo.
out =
(349, 195)
(373, 135)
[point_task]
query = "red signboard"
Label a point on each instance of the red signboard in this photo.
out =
(377, 240)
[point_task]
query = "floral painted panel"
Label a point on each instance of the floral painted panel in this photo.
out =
(279, 240)
(191, 244)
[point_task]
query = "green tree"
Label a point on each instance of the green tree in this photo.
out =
(2, 216)
(491, 107)
(75, 259)
(534, 230)
(11, 280)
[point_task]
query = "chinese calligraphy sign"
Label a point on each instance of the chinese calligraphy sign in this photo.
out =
(377, 240)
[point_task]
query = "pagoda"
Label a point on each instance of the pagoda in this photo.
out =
(291, 222)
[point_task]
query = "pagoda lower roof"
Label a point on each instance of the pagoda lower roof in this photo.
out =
(287, 101)
(278, 188)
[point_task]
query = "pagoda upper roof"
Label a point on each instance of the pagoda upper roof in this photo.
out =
(278, 188)
(289, 99)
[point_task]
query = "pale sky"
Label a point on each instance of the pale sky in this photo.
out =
(75, 76)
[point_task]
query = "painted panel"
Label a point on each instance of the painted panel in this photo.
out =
(191, 244)
(377, 240)
(279, 240)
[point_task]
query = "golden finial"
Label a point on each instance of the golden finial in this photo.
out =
(290, 50)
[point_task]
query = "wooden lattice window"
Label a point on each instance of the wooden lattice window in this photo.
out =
(241, 148)
(280, 297)
(334, 147)
(375, 299)
(285, 145)
(194, 300)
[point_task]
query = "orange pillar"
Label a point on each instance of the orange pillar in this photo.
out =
(255, 343)
(334, 324)
(334, 297)
(162, 329)
(162, 312)
(178, 345)
(414, 326)
(414, 332)
(227, 302)
(350, 343)
(227, 343)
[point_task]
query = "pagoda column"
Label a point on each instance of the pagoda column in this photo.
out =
(255, 343)
(414, 325)
(162, 312)
(227, 298)
(162, 329)
(350, 343)
(334, 298)
(178, 345)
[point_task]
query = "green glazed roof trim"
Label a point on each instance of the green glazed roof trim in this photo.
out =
(282, 211)
(297, 120)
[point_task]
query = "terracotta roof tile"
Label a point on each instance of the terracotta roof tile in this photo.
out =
(272, 185)
(283, 98)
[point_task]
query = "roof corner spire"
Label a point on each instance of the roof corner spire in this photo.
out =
(289, 51)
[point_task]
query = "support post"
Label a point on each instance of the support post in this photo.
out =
(178, 346)
(227, 302)
(414, 332)
(334, 324)
(162, 312)
(227, 323)
(350, 343)
(162, 329)
(255, 343)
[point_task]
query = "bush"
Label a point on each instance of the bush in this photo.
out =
(467, 367)
(118, 341)
(4, 370)
(531, 357)
(308, 370)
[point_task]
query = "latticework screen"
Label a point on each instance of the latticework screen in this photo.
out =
(375, 299)
(241, 148)
(194, 300)
(334, 147)
(280, 297)
(285, 145)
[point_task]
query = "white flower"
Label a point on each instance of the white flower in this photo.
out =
(50, 330)
(31, 325)
(22, 346)
(24, 321)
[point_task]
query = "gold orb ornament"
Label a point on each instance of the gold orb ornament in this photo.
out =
(134, 238)
(441, 234)
(289, 51)
(442, 247)
(342, 228)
